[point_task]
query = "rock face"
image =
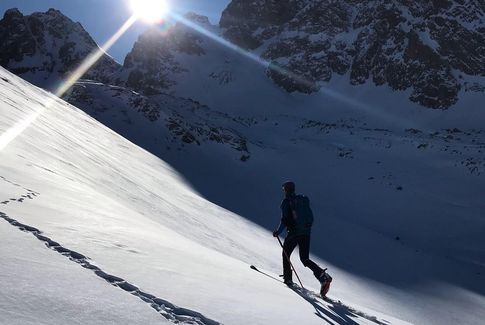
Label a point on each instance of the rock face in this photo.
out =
(250, 23)
(44, 47)
(432, 50)
(152, 59)
(424, 46)
(168, 122)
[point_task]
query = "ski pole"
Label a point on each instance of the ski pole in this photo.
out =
(291, 264)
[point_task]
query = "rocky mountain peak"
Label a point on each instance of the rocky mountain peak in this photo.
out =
(153, 57)
(243, 19)
(12, 14)
(45, 47)
(431, 51)
(429, 47)
(54, 12)
(196, 18)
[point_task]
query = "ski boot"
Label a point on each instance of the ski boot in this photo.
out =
(325, 281)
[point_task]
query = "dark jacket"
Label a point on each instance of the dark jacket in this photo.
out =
(286, 212)
(288, 219)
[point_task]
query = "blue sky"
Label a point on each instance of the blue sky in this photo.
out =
(101, 18)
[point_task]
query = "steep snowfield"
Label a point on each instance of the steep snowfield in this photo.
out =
(97, 194)
(419, 185)
(120, 214)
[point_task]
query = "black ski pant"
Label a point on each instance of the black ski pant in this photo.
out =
(303, 243)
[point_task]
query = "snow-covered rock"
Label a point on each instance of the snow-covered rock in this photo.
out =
(168, 122)
(426, 46)
(45, 47)
(153, 60)
(428, 52)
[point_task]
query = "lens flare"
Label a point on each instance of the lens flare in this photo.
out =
(151, 11)
(8, 136)
(326, 92)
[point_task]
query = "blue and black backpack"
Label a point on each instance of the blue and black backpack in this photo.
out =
(302, 214)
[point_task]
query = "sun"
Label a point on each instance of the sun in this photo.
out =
(151, 11)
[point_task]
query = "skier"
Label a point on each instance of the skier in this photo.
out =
(297, 218)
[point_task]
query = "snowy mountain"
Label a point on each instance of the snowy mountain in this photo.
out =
(139, 241)
(430, 53)
(96, 230)
(155, 58)
(44, 48)
(384, 60)
(430, 47)
(396, 188)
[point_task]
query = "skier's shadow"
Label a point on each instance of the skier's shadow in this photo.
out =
(338, 313)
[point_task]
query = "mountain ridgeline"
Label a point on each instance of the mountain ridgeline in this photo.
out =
(431, 51)
(426, 46)
(45, 47)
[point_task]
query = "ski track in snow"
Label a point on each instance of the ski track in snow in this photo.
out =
(29, 194)
(169, 311)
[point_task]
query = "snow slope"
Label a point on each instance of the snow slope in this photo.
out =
(400, 208)
(430, 179)
(39, 287)
(121, 215)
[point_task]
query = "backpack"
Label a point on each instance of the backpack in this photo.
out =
(302, 214)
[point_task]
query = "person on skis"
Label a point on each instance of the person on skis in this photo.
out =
(297, 218)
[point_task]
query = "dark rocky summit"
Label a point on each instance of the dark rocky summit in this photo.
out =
(424, 46)
(432, 50)
(152, 59)
(44, 47)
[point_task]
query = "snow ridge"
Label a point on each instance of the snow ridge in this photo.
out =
(169, 311)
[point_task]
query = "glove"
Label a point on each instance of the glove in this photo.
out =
(275, 233)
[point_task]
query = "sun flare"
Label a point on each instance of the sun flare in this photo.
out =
(151, 11)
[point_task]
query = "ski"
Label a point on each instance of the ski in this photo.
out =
(323, 291)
